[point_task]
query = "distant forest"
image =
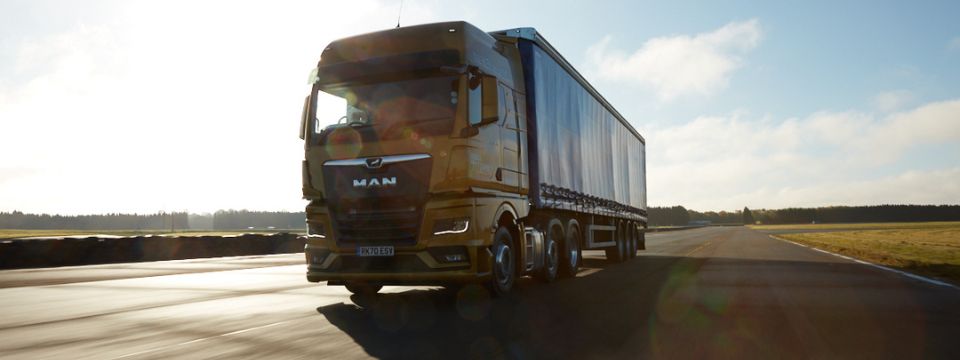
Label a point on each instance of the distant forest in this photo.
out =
(659, 216)
(678, 215)
(220, 220)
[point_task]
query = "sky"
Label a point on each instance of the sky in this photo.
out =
(145, 106)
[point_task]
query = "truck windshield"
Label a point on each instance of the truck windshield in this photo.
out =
(386, 104)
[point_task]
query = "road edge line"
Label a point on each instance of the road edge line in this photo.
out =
(877, 266)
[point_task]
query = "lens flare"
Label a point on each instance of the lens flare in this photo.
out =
(344, 143)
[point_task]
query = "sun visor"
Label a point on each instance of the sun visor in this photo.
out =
(396, 64)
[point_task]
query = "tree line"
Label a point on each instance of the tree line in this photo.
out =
(220, 220)
(679, 216)
(658, 216)
(160, 220)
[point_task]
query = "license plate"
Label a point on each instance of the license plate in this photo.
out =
(375, 251)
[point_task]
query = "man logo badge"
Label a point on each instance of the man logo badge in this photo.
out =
(374, 163)
(375, 182)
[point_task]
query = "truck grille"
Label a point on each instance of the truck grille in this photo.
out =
(377, 224)
(377, 205)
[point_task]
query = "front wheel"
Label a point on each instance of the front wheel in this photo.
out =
(503, 263)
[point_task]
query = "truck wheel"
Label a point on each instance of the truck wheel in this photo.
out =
(503, 265)
(618, 252)
(362, 288)
(642, 239)
(551, 255)
(634, 239)
(570, 253)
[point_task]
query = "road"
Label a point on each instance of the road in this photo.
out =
(716, 292)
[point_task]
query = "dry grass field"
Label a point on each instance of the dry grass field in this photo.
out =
(861, 226)
(931, 249)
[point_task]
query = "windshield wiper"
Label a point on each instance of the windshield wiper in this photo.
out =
(358, 124)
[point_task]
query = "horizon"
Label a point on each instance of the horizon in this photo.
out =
(162, 212)
(742, 105)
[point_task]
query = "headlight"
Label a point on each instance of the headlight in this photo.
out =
(451, 226)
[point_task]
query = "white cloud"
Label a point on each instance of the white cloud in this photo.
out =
(729, 162)
(679, 65)
(892, 100)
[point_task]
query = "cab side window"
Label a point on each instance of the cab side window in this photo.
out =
(508, 107)
(475, 101)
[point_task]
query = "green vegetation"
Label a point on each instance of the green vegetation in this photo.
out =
(747, 216)
(931, 248)
(6, 234)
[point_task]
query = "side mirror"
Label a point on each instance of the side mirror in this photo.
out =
(304, 117)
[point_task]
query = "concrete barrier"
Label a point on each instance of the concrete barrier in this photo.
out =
(18, 254)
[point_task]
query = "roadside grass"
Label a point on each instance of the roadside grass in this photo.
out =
(931, 249)
(8, 234)
(861, 226)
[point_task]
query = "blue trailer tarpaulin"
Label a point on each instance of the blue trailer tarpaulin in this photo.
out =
(581, 146)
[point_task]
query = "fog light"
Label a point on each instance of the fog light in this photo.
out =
(449, 254)
(455, 258)
(451, 226)
(316, 257)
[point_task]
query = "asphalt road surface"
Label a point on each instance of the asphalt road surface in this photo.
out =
(716, 292)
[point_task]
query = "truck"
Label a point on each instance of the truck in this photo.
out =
(440, 154)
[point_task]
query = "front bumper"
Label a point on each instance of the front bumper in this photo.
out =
(410, 267)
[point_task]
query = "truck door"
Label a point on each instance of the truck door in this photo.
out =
(510, 172)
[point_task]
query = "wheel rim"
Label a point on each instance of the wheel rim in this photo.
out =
(552, 256)
(572, 248)
(503, 260)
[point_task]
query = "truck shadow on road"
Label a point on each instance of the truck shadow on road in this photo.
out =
(587, 315)
(650, 307)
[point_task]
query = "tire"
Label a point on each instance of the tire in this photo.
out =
(618, 252)
(570, 253)
(503, 267)
(362, 288)
(551, 255)
(642, 239)
(634, 240)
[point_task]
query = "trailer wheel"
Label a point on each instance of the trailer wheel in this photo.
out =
(570, 256)
(642, 239)
(634, 239)
(551, 256)
(618, 252)
(362, 288)
(503, 264)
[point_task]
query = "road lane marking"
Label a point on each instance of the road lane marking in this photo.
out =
(881, 267)
(698, 248)
(201, 339)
